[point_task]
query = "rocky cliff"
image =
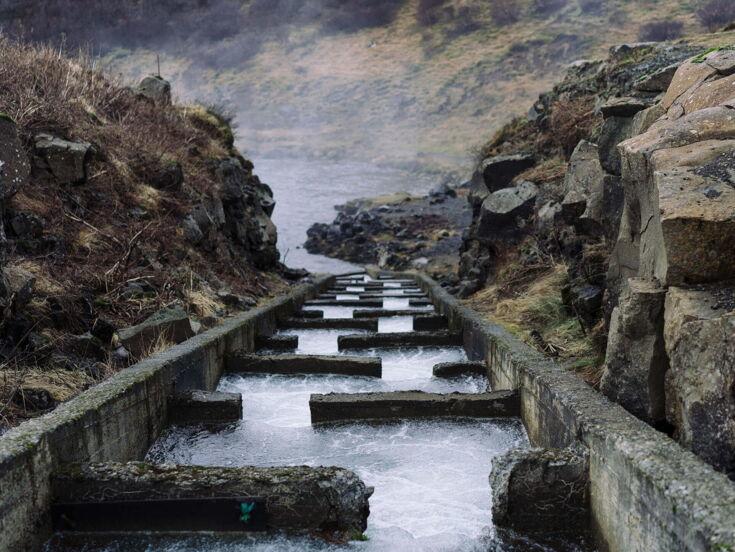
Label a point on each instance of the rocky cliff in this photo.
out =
(623, 177)
(118, 207)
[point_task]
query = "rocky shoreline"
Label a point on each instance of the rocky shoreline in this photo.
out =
(398, 231)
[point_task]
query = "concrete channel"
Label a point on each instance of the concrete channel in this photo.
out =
(422, 392)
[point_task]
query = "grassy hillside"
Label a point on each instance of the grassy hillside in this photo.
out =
(427, 84)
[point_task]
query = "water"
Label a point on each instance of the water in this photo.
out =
(430, 476)
(307, 191)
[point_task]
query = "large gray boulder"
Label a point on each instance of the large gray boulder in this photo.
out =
(504, 208)
(60, 161)
(699, 333)
(636, 361)
(583, 185)
(155, 88)
(540, 490)
(496, 173)
(14, 166)
(166, 325)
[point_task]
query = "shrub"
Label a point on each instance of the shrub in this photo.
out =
(714, 14)
(658, 31)
(592, 6)
(547, 7)
(572, 120)
(505, 12)
(430, 12)
(353, 15)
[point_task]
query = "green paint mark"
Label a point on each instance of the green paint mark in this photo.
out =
(246, 509)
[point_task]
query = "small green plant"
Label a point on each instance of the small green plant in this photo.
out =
(361, 537)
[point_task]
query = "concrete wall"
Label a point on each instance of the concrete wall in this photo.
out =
(119, 419)
(647, 493)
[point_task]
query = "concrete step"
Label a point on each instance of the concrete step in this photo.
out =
(309, 314)
(277, 342)
(393, 340)
(419, 303)
(138, 496)
(377, 292)
(385, 313)
(336, 407)
(415, 295)
(456, 369)
(248, 363)
(194, 407)
(430, 322)
(346, 303)
(331, 323)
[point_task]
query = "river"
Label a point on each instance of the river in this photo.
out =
(307, 192)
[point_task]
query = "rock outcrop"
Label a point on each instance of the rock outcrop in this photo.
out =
(677, 234)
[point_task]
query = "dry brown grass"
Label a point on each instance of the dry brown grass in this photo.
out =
(572, 120)
(98, 244)
(526, 299)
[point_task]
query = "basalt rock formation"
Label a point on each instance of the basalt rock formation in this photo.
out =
(398, 231)
(625, 173)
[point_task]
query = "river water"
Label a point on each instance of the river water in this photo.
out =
(307, 191)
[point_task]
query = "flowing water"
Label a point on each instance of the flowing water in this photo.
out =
(430, 476)
(307, 191)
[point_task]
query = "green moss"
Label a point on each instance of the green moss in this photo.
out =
(6, 117)
(358, 536)
(703, 56)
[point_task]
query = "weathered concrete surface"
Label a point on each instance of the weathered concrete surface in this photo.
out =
(646, 492)
(540, 490)
(411, 404)
(277, 342)
(400, 339)
(193, 407)
(419, 303)
(636, 361)
(383, 313)
(699, 332)
(118, 419)
(430, 322)
(346, 303)
(171, 325)
(247, 363)
(457, 369)
(331, 323)
(298, 499)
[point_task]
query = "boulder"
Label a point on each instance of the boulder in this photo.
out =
(84, 346)
(547, 215)
(582, 181)
(192, 232)
(614, 130)
(658, 81)
(636, 361)
(14, 166)
(622, 107)
(155, 88)
(585, 300)
(170, 324)
(18, 283)
(168, 175)
(499, 171)
(540, 490)
(26, 225)
(60, 161)
(442, 190)
(502, 209)
(699, 333)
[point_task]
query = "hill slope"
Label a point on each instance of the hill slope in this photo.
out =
(393, 81)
